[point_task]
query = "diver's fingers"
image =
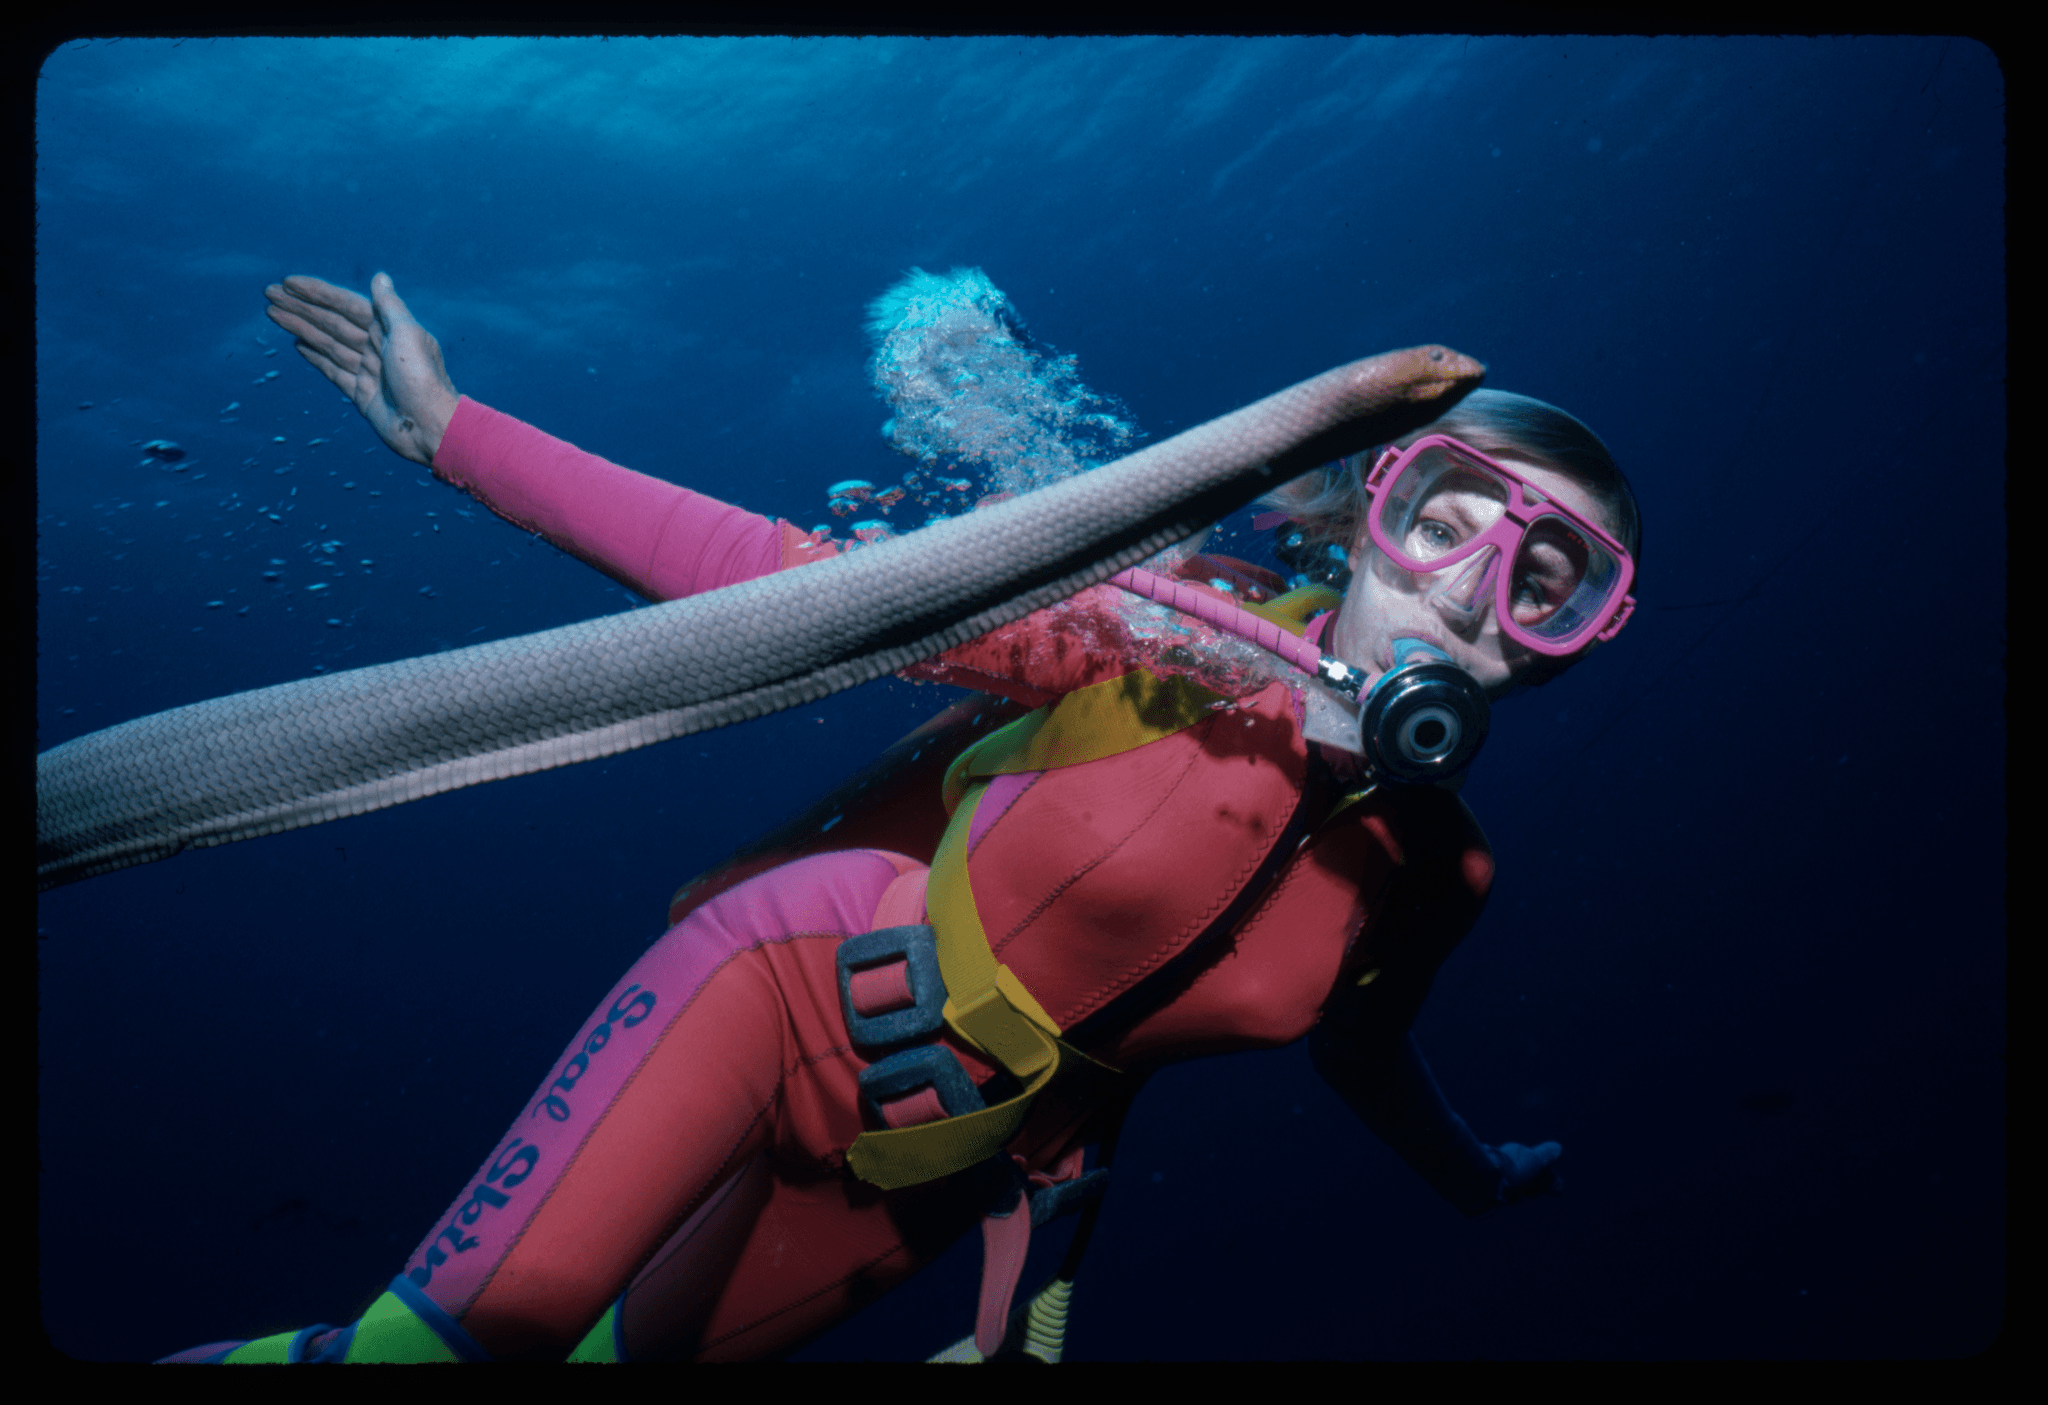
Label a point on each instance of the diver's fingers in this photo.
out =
(347, 381)
(391, 312)
(342, 302)
(346, 353)
(1531, 1170)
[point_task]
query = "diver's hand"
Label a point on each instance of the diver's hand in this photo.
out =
(1527, 1171)
(383, 360)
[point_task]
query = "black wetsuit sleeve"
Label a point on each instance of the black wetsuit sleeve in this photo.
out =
(1363, 1046)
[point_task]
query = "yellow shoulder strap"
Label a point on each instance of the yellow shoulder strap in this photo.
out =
(1296, 608)
(989, 1008)
(986, 1005)
(1102, 719)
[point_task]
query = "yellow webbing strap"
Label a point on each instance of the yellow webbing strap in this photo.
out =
(1296, 608)
(1102, 719)
(986, 1005)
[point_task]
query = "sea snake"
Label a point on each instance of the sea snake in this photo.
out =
(341, 744)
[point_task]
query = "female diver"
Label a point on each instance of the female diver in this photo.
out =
(859, 1040)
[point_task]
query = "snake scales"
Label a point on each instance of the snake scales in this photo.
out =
(342, 744)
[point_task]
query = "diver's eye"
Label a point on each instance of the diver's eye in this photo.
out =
(1430, 538)
(1533, 600)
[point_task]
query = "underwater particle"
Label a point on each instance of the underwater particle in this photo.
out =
(331, 546)
(215, 604)
(243, 611)
(316, 586)
(311, 442)
(334, 624)
(273, 517)
(426, 590)
(163, 502)
(278, 439)
(348, 487)
(366, 561)
(282, 471)
(233, 405)
(163, 450)
(271, 352)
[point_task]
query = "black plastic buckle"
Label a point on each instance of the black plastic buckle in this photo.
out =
(915, 946)
(906, 1072)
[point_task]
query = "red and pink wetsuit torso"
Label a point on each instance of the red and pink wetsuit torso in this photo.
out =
(686, 1159)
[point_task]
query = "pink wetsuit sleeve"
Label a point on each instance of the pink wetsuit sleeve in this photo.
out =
(661, 540)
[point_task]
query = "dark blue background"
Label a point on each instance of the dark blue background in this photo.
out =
(1745, 957)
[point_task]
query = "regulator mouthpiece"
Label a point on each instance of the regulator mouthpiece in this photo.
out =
(1423, 723)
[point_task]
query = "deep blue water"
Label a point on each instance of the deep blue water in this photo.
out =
(1745, 956)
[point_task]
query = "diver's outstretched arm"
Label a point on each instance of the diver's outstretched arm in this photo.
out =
(382, 359)
(1389, 1086)
(651, 536)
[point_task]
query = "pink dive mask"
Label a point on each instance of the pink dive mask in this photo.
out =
(1438, 503)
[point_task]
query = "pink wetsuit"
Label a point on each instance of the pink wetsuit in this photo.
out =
(684, 1159)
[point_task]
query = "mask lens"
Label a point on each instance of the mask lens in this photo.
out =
(1439, 502)
(1562, 582)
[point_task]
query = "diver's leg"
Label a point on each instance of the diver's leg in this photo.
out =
(661, 1108)
(822, 1249)
(675, 1302)
(672, 1087)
